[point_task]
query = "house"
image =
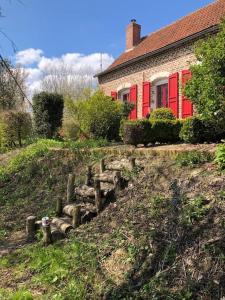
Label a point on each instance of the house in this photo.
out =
(152, 70)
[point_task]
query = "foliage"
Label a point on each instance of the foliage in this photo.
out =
(198, 130)
(220, 156)
(15, 126)
(100, 117)
(162, 114)
(193, 210)
(192, 158)
(206, 88)
(10, 95)
(36, 150)
(48, 113)
(145, 131)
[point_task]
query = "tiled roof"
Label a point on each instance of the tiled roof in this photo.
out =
(191, 24)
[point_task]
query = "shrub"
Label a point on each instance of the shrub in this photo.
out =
(100, 117)
(15, 126)
(145, 131)
(220, 156)
(48, 113)
(197, 130)
(162, 114)
(135, 132)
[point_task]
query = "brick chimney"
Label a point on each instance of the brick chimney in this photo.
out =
(133, 35)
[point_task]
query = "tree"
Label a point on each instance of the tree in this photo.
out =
(48, 113)
(65, 80)
(206, 88)
(10, 94)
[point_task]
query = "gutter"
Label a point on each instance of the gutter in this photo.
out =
(210, 30)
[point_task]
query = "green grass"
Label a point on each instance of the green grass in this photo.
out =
(67, 271)
(220, 156)
(39, 149)
(193, 158)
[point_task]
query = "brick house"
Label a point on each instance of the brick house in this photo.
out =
(152, 70)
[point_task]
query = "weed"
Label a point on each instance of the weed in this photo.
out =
(220, 156)
(193, 158)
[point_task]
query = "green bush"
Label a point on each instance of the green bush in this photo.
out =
(197, 130)
(220, 156)
(135, 132)
(48, 113)
(15, 127)
(100, 117)
(145, 131)
(162, 114)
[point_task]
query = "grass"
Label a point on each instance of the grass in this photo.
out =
(193, 158)
(39, 149)
(66, 271)
(220, 156)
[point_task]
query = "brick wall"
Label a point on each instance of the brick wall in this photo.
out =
(171, 61)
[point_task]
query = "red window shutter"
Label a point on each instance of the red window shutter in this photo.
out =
(114, 95)
(133, 100)
(174, 94)
(187, 106)
(146, 98)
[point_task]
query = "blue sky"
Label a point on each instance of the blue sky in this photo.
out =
(88, 27)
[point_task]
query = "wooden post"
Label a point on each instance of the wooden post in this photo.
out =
(88, 176)
(132, 163)
(98, 199)
(117, 180)
(102, 165)
(46, 229)
(70, 188)
(59, 207)
(30, 228)
(76, 221)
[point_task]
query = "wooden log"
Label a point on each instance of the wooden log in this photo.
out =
(59, 207)
(38, 225)
(63, 226)
(102, 165)
(88, 176)
(85, 191)
(46, 229)
(98, 198)
(104, 177)
(30, 228)
(76, 216)
(117, 180)
(69, 209)
(132, 163)
(70, 188)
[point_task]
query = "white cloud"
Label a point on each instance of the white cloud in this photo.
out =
(79, 65)
(28, 56)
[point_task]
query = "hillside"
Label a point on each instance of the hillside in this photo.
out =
(163, 238)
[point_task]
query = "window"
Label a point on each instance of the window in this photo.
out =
(162, 95)
(124, 95)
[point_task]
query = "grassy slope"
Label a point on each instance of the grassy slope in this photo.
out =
(162, 239)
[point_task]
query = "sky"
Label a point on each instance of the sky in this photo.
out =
(50, 33)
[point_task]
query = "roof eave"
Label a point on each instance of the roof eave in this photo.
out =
(209, 30)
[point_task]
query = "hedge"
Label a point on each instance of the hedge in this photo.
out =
(145, 131)
(197, 130)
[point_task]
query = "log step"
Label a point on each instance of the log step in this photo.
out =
(63, 224)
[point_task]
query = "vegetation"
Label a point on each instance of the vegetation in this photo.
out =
(10, 94)
(97, 117)
(162, 247)
(220, 156)
(48, 114)
(206, 88)
(193, 158)
(162, 114)
(15, 127)
(198, 130)
(145, 131)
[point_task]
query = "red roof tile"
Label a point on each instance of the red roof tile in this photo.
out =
(198, 21)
